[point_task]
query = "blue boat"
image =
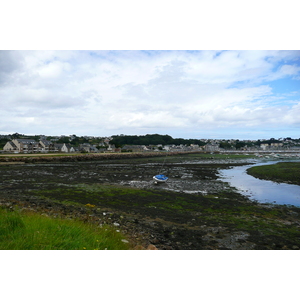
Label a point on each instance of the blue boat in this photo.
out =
(160, 178)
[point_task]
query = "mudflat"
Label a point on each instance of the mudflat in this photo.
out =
(194, 210)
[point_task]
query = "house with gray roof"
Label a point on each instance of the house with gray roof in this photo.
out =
(10, 147)
(67, 148)
(46, 145)
(22, 145)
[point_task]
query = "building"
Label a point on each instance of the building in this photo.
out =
(264, 146)
(212, 147)
(67, 148)
(46, 145)
(32, 146)
(22, 146)
(10, 147)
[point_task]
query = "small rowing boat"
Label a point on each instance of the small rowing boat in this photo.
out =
(160, 178)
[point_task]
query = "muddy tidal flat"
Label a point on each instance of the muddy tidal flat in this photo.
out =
(194, 210)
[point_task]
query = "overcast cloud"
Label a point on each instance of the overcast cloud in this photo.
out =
(191, 94)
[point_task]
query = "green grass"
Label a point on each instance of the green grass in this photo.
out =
(171, 158)
(222, 156)
(31, 231)
(94, 194)
(281, 172)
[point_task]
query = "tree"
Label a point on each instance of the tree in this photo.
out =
(152, 139)
(3, 142)
(225, 145)
(16, 135)
(240, 144)
(63, 140)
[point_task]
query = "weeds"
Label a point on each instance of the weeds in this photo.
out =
(31, 231)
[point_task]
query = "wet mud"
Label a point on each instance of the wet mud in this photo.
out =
(193, 210)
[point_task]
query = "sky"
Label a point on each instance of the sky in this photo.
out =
(190, 94)
(131, 68)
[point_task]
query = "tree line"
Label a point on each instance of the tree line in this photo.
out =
(152, 139)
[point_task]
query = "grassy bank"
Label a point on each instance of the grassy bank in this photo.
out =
(168, 220)
(225, 220)
(288, 172)
(32, 231)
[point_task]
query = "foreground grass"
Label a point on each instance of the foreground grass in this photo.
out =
(31, 231)
(268, 227)
(288, 172)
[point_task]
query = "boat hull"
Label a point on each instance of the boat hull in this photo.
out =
(160, 178)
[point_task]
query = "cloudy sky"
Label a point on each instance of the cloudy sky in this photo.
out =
(191, 94)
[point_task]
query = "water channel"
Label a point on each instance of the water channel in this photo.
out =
(263, 191)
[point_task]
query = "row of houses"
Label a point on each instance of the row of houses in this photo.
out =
(171, 148)
(272, 146)
(32, 146)
(44, 146)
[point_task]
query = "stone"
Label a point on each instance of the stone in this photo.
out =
(151, 247)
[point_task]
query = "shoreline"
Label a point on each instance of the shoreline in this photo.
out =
(32, 158)
(216, 226)
(151, 215)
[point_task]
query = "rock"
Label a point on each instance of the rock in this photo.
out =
(139, 247)
(151, 247)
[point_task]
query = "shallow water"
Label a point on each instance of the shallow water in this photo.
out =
(264, 191)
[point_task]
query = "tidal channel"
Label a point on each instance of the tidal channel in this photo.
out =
(263, 191)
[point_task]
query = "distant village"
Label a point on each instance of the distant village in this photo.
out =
(18, 143)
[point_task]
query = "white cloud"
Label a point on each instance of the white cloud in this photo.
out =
(104, 92)
(53, 69)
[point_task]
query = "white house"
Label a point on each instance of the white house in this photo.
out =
(10, 147)
(264, 146)
(67, 148)
(212, 147)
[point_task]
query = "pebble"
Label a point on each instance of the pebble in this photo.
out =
(151, 247)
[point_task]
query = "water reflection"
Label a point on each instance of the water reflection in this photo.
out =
(261, 190)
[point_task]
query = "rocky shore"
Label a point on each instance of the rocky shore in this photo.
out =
(138, 239)
(173, 231)
(151, 217)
